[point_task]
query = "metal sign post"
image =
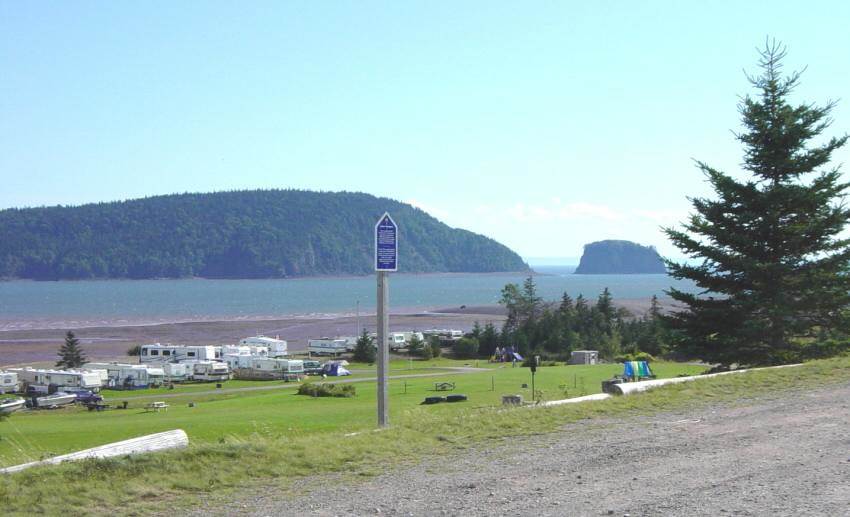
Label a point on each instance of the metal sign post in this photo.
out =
(386, 260)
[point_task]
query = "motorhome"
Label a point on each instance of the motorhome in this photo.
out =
(209, 371)
(130, 376)
(9, 382)
(328, 346)
(268, 368)
(40, 380)
(276, 347)
(159, 353)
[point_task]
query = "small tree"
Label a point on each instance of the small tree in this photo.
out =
(364, 349)
(418, 348)
(436, 349)
(70, 354)
(466, 348)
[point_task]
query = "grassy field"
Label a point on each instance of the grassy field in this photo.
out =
(275, 413)
(266, 439)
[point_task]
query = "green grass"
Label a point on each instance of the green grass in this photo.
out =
(33, 435)
(266, 438)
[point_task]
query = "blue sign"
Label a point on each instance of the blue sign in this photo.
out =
(386, 244)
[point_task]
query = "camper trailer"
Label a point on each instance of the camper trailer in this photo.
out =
(9, 383)
(269, 368)
(39, 380)
(130, 376)
(209, 371)
(159, 353)
(444, 335)
(176, 372)
(276, 347)
(328, 346)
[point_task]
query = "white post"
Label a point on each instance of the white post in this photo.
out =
(383, 352)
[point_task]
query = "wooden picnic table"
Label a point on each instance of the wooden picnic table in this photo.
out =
(156, 406)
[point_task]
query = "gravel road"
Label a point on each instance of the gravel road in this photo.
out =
(784, 455)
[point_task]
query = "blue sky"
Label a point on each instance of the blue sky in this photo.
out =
(544, 125)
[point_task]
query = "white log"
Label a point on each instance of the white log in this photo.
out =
(586, 398)
(627, 388)
(176, 439)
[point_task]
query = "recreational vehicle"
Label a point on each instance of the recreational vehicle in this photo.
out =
(159, 353)
(9, 382)
(39, 380)
(328, 346)
(130, 376)
(209, 371)
(276, 347)
(268, 368)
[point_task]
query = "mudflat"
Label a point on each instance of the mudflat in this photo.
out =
(39, 346)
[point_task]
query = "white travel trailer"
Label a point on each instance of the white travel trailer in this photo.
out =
(176, 372)
(41, 380)
(209, 371)
(255, 350)
(130, 376)
(9, 382)
(328, 346)
(276, 347)
(157, 353)
(268, 368)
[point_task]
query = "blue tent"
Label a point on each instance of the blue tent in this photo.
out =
(334, 369)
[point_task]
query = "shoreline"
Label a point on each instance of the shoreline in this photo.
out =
(110, 339)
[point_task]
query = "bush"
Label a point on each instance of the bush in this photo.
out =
(466, 348)
(639, 356)
(327, 390)
(134, 351)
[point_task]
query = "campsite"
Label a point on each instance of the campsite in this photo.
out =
(241, 410)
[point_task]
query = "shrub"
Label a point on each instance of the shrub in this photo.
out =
(466, 348)
(134, 351)
(327, 390)
(639, 356)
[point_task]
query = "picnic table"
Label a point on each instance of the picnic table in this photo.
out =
(444, 386)
(156, 406)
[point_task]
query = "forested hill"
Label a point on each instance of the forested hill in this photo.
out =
(246, 234)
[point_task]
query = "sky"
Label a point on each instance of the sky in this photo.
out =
(544, 125)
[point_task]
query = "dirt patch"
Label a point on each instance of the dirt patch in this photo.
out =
(787, 455)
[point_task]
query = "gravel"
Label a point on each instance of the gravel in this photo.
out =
(784, 455)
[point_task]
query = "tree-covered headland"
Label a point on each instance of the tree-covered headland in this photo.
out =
(241, 234)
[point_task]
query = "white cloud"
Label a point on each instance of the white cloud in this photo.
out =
(439, 213)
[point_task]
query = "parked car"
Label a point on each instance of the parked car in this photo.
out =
(312, 368)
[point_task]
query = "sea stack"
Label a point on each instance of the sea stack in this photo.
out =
(619, 257)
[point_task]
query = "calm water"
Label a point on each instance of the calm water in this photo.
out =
(26, 304)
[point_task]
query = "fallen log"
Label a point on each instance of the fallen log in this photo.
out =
(176, 439)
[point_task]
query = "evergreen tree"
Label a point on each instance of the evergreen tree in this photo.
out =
(772, 265)
(70, 353)
(364, 349)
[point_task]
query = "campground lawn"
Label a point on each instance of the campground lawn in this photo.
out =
(263, 441)
(219, 416)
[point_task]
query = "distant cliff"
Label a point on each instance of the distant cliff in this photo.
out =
(619, 257)
(244, 234)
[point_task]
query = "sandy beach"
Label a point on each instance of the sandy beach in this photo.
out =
(111, 340)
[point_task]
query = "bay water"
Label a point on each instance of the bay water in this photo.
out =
(29, 304)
